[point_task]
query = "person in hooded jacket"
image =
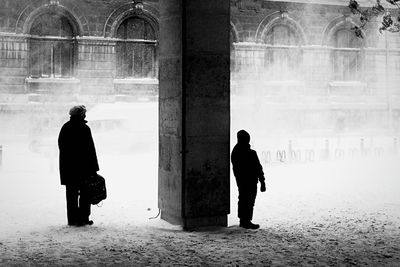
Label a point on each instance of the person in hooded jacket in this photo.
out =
(78, 161)
(248, 171)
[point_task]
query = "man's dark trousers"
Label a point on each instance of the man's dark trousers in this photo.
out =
(247, 198)
(78, 206)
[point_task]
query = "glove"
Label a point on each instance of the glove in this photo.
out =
(263, 189)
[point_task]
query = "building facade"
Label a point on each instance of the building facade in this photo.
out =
(69, 49)
(295, 63)
(305, 70)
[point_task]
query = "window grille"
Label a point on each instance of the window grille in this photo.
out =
(136, 49)
(51, 47)
(346, 56)
(283, 55)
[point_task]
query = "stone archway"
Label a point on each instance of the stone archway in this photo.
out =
(37, 8)
(124, 11)
(279, 18)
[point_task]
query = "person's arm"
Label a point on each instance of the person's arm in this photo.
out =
(60, 139)
(260, 173)
(94, 165)
(237, 163)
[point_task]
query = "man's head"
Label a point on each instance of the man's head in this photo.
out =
(243, 137)
(78, 111)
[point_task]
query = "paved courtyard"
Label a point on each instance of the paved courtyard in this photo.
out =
(316, 214)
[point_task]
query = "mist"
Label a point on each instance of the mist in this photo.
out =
(320, 105)
(285, 92)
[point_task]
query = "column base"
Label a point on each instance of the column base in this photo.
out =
(171, 218)
(193, 223)
(215, 221)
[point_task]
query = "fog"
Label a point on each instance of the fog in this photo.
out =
(307, 134)
(329, 149)
(293, 126)
(298, 146)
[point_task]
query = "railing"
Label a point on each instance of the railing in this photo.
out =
(326, 152)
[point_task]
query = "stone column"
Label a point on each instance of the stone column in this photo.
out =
(194, 146)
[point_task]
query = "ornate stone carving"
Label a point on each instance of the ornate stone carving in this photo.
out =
(138, 5)
(54, 2)
(247, 5)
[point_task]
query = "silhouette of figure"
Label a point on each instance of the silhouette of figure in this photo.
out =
(78, 161)
(248, 171)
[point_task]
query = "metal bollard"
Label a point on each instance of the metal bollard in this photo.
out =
(266, 157)
(362, 147)
(309, 155)
(290, 149)
(281, 155)
(295, 155)
(263, 157)
(326, 152)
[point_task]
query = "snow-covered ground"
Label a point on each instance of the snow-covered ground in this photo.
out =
(323, 213)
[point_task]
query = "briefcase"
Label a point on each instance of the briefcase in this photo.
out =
(95, 188)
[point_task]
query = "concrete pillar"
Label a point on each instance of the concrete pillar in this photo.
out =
(194, 129)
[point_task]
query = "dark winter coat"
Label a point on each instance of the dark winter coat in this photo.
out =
(77, 152)
(246, 165)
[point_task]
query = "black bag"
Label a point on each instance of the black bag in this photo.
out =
(95, 188)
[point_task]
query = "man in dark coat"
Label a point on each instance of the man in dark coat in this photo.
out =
(78, 161)
(248, 171)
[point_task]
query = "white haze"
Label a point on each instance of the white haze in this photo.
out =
(323, 163)
(126, 139)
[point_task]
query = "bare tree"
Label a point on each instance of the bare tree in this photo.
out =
(390, 13)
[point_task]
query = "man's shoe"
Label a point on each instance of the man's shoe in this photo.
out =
(73, 223)
(244, 224)
(249, 225)
(253, 226)
(85, 223)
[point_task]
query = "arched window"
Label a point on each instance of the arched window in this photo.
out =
(232, 50)
(136, 49)
(283, 55)
(51, 47)
(346, 56)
